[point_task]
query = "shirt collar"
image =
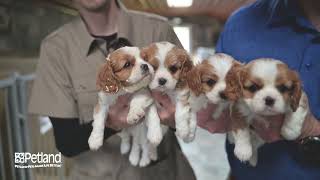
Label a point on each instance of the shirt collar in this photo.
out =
(86, 40)
(284, 12)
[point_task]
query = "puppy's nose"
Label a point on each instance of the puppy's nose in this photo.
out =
(223, 95)
(269, 101)
(144, 67)
(162, 81)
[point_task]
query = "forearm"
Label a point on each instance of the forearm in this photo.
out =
(71, 137)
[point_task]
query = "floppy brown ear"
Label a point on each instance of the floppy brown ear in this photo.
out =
(233, 82)
(193, 78)
(296, 91)
(106, 80)
(148, 52)
(187, 64)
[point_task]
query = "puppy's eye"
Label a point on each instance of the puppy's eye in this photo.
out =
(211, 82)
(282, 88)
(173, 69)
(127, 64)
(253, 88)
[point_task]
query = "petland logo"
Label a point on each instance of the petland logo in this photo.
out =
(32, 160)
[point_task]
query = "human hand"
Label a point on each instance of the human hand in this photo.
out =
(167, 108)
(117, 115)
(206, 121)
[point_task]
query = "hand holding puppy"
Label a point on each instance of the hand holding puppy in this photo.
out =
(167, 108)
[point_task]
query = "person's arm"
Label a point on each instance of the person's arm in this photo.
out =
(71, 137)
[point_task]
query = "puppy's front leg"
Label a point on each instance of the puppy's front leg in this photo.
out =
(99, 116)
(138, 105)
(154, 134)
(292, 126)
(241, 134)
(183, 116)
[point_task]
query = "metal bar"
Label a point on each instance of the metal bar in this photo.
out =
(10, 173)
(2, 171)
(22, 96)
(7, 82)
(15, 120)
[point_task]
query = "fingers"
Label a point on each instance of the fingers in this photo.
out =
(311, 126)
(205, 120)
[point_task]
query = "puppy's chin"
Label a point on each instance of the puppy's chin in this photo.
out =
(141, 83)
(214, 99)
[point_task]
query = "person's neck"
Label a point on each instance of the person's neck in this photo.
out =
(103, 22)
(311, 9)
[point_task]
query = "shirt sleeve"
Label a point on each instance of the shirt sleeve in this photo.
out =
(219, 46)
(71, 137)
(170, 35)
(52, 92)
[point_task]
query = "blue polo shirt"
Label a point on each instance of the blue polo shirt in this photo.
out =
(276, 29)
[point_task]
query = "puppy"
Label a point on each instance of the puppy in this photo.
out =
(214, 80)
(124, 72)
(269, 88)
(171, 65)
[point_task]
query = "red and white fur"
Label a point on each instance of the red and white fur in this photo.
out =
(171, 65)
(214, 80)
(125, 72)
(269, 88)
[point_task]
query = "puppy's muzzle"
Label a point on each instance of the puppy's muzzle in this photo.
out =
(269, 101)
(162, 81)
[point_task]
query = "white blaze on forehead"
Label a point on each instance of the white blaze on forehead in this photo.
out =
(266, 70)
(163, 49)
(222, 64)
(134, 51)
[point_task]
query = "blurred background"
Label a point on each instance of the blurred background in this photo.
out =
(24, 23)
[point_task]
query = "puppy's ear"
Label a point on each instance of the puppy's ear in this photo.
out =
(148, 52)
(194, 81)
(106, 80)
(233, 82)
(187, 63)
(296, 91)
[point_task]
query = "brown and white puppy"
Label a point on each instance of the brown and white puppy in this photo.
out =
(123, 72)
(215, 80)
(171, 65)
(269, 87)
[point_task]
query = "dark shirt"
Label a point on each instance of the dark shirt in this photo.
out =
(71, 137)
(276, 29)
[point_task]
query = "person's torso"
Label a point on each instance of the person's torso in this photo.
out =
(249, 35)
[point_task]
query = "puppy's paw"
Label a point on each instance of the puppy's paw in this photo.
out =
(189, 138)
(124, 148)
(145, 161)
(134, 159)
(253, 160)
(182, 133)
(290, 132)
(153, 155)
(95, 141)
(135, 114)
(243, 152)
(155, 137)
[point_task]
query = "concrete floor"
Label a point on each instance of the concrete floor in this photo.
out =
(207, 155)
